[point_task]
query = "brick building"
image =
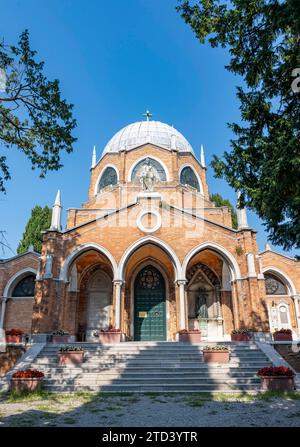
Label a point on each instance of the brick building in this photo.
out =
(148, 252)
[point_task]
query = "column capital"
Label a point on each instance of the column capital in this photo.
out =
(119, 282)
(181, 282)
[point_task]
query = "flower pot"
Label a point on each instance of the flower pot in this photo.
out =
(190, 337)
(277, 383)
(13, 338)
(70, 357)
(216, 356)
(240, 337)
(31, 384)
(62, 338)
(109, 337)
(281, 336)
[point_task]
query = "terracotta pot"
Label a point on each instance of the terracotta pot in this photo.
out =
(280, 336)
(216, 356)
(61, 339)
(190, 337)
(240, 337)
(26, 384)
(13, 338)
(277, 383)
(110, 337)
(70, 357)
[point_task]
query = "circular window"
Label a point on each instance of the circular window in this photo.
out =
(149, 221)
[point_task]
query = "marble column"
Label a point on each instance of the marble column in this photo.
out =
(118, 290)
(181, 285)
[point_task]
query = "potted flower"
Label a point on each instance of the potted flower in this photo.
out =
(240, 335)
(13, 335)
(283, 335)
(26, 380)
(61, 336)
(108, 335)
(190, 335)
(276, 378)
(216, 354)
(70, 355)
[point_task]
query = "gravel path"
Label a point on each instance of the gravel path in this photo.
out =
(151, 410)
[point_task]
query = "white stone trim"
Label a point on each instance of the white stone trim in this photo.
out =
(285, 278)
(232, 262)
(185, 165)
(17, 276)
(155, 227)
(81, 249)
(139, 243)
(109, 165)
(144, 158)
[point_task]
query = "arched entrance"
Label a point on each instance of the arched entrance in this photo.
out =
(149, 305)
(99, 303)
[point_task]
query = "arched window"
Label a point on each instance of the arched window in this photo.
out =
(108, 178)
(188, 177)
(25, 287)
(156, 166)
(274, 286)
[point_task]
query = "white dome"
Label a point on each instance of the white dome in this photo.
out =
(143, 132)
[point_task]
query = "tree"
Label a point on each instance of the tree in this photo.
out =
(263, 37)
(220, 201)
(39, 221)
(33, 116)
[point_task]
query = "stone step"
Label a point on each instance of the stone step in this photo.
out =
(154, 383)
(163, 388)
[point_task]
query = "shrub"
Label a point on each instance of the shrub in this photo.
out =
(283, 331)
(221, 348)
(110, 328)
(15, 331)
(28, 374)
(70, 348)
(189, 331)
(275, 371)
(60, 332)
(240, 331)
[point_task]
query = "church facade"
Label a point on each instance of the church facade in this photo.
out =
(149, 253)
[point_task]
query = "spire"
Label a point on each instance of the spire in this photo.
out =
(94, 157)
(241, 215)
(56, 213)
(267, 246)
(202, 158)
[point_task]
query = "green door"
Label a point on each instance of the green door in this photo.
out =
(149, 305)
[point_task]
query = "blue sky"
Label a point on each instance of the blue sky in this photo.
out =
(114, 60)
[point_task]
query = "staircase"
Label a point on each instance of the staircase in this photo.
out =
(152, 366)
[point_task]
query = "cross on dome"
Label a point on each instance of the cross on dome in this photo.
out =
(148, 115)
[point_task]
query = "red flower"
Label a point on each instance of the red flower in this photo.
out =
(275, 371)
(15, 331)
(283, 331)
(28, 374)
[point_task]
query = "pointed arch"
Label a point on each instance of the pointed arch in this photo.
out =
(149, 240)
(225, 254)
(283, 277)
(82, 249)
(12, 282)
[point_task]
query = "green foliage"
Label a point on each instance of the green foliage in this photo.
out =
(219, 201)
(40, 220)
(33, 116)
(263, 38)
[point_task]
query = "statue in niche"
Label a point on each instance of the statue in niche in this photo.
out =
(202, 309)
(148, 176)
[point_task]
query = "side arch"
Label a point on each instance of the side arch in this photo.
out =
(81, 249)
(225, 254)
(12, 282)
(284, 278)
